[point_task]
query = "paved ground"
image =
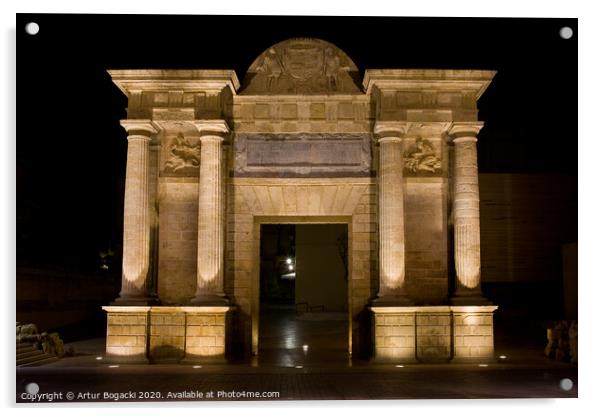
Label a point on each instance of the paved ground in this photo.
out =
(366, 382)
(286, 372)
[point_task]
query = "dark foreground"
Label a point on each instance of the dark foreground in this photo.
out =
(244, 382)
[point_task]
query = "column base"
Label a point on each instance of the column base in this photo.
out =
(209, 300)
(136, 301)
(389, 300)
(475, 300)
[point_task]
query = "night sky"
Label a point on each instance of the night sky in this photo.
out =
(71, 150)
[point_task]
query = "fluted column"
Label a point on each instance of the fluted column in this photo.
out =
(467, 241)
(136, 216)
(391, 218)
(210, 250)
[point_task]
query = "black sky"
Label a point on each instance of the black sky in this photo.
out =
(71, 149)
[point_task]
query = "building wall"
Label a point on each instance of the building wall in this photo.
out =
(57, 300)
(426, 240)
(178, 218)
(525, 220)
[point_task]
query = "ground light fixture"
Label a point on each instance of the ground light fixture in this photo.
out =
(502, 357)
(305, 347)
(197, 366)
(98, 358)
(289, 260)
(399, 366)
(483, 365)
(114, 366)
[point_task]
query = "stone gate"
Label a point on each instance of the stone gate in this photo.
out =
(304, 139)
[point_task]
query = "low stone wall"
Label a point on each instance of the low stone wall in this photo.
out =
(406, 334)
(166, 333)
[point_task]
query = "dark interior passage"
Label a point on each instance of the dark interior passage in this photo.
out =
(303, 280)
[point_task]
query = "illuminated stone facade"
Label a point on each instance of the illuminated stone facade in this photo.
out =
(304, 139)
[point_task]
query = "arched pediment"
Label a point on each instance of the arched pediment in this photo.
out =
(302, 66)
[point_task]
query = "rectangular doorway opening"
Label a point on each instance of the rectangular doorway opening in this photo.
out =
(303, 311)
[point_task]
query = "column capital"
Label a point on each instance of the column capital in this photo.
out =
(138, 127)
(390, 130)
(213, 128)
(460, 131)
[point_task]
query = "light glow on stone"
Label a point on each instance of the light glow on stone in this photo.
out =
(290, 267)
(197, 366)
(399, 366)
(305, 347)
(114, 366)
(483, 365)
(298, 366)
(503, 357)
(99, 358)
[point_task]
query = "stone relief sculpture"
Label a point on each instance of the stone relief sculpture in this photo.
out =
(182, 154)
(272, 68)
(302, 66)
(422, 157)
(332, 66)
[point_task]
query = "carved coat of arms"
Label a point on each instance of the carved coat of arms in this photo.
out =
(302, 66)
(303, 61)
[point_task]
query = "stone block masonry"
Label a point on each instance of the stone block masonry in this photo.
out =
(473, 333)
(127, 333)
(406, 334)
(394, 334)
(158, 334)
(303, 140)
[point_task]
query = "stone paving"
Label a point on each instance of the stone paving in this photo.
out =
(324, 381)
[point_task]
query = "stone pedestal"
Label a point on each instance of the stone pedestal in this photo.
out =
(206, 334)
(473, 333)
(127, 334)
(409, 334)
(167, 334)
(394, 334)
(433, 334)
